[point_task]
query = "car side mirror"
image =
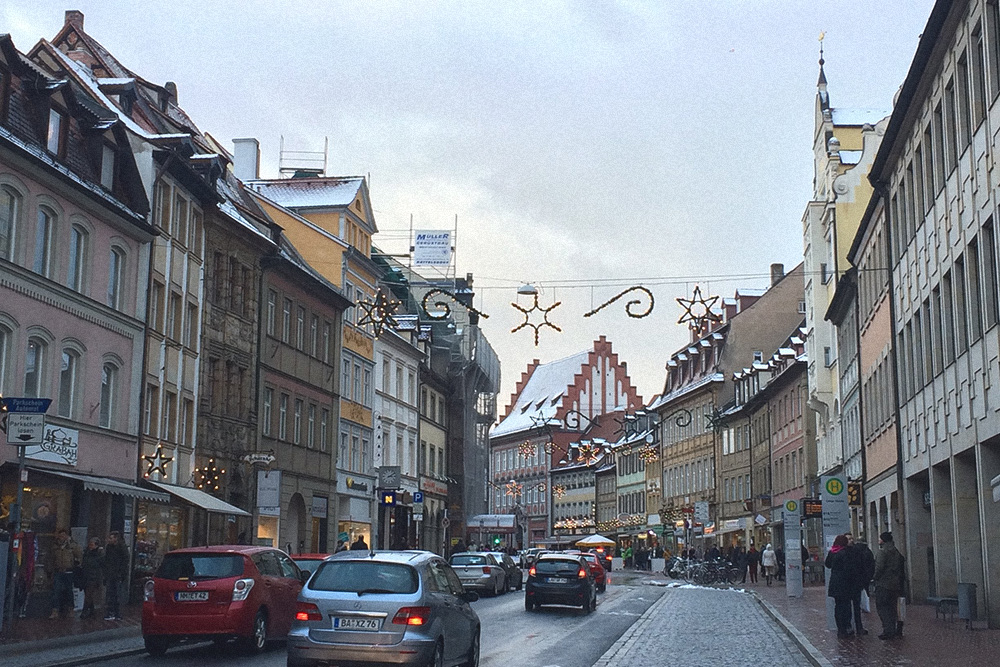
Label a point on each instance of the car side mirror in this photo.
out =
(304, 576)
(469, 596)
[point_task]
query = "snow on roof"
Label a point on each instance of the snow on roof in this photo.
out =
(746, 291)
(310, 192)
(850, 157)
(546, 385)
(700, 382)
(858, 116)
(118, 81)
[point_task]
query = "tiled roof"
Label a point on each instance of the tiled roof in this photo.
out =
(541, 396)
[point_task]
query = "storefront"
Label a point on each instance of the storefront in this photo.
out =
(354, 515)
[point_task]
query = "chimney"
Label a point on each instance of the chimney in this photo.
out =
(74, 17)
(777, 273)
(172, 91)
(246, 159)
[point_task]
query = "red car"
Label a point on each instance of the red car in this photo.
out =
(601, 578)
(309, 562)
(220, 593)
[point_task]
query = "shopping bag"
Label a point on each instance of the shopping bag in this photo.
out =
(865, 601)
(901, 609)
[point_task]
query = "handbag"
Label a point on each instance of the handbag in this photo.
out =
(865, 601)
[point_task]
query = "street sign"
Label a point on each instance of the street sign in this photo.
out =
(445, 522)
(34, 405)
(418, 516)
(854, 494)
(388, 498)
(701, 511)
(25, 428)
(812, 508)
(388, 477)
(418, 497)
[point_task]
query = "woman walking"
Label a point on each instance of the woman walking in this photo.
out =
(769, 561)
(753, 559)
(842, 583)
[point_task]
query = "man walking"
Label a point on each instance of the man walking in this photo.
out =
(115, 574)
(889, 581)
(60, 562)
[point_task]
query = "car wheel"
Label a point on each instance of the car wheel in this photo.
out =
(256, 642)
(473, 660)
(496, 588)
(157, 645)
(602, 588)
(437, 658)
(528, 605)
(520, 582)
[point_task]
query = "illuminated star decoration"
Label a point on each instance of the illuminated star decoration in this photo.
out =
(698, 310)
(648, 454)
(527, 317)
(209, 476)
(513, 488)
(379, 313)
(526, 448)
(589, 453)
(558, 490)
(157, 462)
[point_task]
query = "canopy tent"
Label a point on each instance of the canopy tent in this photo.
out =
(595, 540)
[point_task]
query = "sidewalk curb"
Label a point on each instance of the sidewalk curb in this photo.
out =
(810, 651)
(37, 646)
(629, 637)
(89, 660)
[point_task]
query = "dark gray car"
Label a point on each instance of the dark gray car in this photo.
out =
(390, 607)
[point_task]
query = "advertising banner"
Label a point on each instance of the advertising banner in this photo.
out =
(836, 521)
(59, 445)
(791, 516)
(432, 248)
(269, 493)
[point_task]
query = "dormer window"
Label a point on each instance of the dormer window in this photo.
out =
(108, 166)
(54, 139)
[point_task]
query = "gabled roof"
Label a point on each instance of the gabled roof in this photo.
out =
(542, 395)
(299, 193)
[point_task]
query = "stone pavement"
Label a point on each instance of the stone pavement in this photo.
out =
(708, 627)
(926, 640)
(40, 642)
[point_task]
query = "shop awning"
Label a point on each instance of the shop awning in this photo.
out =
(199, 499)
(106, 485)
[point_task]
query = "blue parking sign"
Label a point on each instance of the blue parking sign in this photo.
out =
(418, 496)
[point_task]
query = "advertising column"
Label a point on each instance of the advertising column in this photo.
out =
(836, 521)
(791, 519)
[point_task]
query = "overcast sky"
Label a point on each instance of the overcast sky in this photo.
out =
(584, 146)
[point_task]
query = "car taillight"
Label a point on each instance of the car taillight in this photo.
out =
(486, 569)
(412, 616)
(531, 572)
(148, 592)
(241, 589)
(582, 573)
(307, 611)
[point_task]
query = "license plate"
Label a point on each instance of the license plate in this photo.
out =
(363, 624)
(557, 580)
(191, 596)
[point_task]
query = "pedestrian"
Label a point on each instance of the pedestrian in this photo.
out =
(627, 556)
(841, 584)
(862, 577)
(714, 553)
(115, 575)
(359, 544)
(740, 561)
(92, 564)
(63, 557)
(460, 546)
(779, 554)
(889, 580)
(769, 561)
(753, 560)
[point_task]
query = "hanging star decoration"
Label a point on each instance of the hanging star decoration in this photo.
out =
(157, 462)
(589, 453)
(715, 420)
(558, 490)
(542, 424)
(527, 317)
(648, 454)
(698, 311)
(209, 475)
(513, 488)
(379, 313)
(526, 449)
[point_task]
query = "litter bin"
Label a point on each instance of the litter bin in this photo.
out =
(967, 602)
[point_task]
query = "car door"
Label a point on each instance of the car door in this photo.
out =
(458, 629)
(291, 579)
(270, 575)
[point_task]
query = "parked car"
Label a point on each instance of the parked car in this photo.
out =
(479, 571)
(604, 556)
(309, 562)
(530, 555)
(560, 579)
(515, 577)
(601, 577)
(393, 607)
(220, 592)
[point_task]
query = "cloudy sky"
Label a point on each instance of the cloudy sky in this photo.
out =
(584, 146)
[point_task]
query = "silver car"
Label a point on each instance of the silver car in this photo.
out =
(390, 607)
(480, 571)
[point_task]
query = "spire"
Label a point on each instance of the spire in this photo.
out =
(821, 84)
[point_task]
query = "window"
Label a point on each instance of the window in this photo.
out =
(349, 293)
(297, 422)
(174, 316)
(116, 269)
(974, 292)
(187, 422)
(5, 339)
(43, 241)
(109, 394)
(77, 255)
(180, 222)
(367, 388)
(324, 429)
(283, 417)
(265, 416)
(311, 427)
(10, 208)
(156, 306)
(54, 137)
(992, 296)
(169, 417)
(951, 118)
(286, 321)
(314, 335)
(978, 77)
(964, 119)
(152, 409)
(67, 383)
(345, 377)
(300, 327)
(34, 368)
(326, 342)
(192, 325)
(108, 166)
(272, 306)
(961, 309)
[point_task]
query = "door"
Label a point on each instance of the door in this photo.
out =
(464, 617)
(291, 585)
(273, 584)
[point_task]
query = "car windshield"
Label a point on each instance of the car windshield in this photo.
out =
(570, 567)
(307, 564)
(591, 558)
(364, 577)
(469, 559)
(184, 566)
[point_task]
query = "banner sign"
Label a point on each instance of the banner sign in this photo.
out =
(791, 517)
(432, 248)
(319, 507)
(269, 493)
(59, 445)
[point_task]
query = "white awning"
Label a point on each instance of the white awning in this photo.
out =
(200, 499)
(106, 485)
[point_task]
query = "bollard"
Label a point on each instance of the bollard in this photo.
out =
(967, 602)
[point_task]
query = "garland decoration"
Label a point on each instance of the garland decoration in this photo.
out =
(527, 317)
(442, 309)
(698, 311)
(379, 313)
(633, 303)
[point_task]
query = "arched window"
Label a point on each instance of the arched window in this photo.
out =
(43, 241)
(77, 257)
(5, 341)
(34, 368)
(10, 211)
(68, 382)
(116, 271)
(109, 393)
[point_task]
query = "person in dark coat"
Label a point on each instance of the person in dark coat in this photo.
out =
(93, 571)
(841, 584)
(740, 562)
(753, 560)
(115, 575)
(864, 567)
(889, 580)
(359, 544)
